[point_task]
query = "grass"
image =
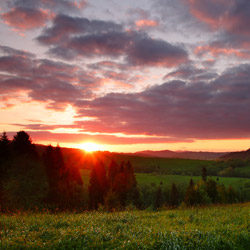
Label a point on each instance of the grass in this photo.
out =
(217, 227)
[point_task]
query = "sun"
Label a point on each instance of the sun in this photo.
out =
(90, 147)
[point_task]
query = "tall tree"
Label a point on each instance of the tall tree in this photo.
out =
(112, 172)
(22, 144)
(4, 155)
(62, 179)
(192, 196)
(174, 196)
(98, 185)
(204, 174)
(4, 147)
(158, 198)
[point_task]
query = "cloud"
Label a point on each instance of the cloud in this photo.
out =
(25, 15)
(42, 135)
(73, 37)
(56, 6)
(54, 83)
(202, 110)
(230, 15)
(26, 18)
(189, 72)
(146, 23)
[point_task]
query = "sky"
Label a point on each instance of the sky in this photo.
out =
(127, 75)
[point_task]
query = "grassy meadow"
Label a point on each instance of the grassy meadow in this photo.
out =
(216, 227)
(155, 179)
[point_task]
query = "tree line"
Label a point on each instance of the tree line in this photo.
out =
(31, 179)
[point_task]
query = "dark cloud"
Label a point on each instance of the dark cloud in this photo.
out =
(230, 15)
(215, 109)
(72, 37)
(55, 83)
(191, 73)
(65, 26)
(152, 52)
(230, 20)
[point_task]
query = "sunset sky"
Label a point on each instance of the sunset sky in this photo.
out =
(127, 75)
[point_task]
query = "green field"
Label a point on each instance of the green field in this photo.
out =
(155, 179)
(217, 227)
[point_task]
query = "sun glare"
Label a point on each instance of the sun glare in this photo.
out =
(90, 147)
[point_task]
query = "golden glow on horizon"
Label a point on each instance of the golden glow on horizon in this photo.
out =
(90, 147)
(198, 145)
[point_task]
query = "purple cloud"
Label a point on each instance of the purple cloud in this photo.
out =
(215, 109)
(73, 37)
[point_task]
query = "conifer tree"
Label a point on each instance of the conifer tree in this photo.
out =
(112, 172)
(211, 189)
(158, 198)
(174, 196)
(192, 196)
(98, 185)
(95, 194)
(4, 155)
(204, 174)
(4, 147)
(22, 144)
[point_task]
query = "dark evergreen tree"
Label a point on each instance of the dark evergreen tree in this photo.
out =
(232, 196)
(211, 189)
(158, 198)
(192, 196)
(64, 183)
(22, 144)
(95, 192)
(4, 147)
(130, 175)
(98, 185)
(112, 172)
(204, 174)
(174, 196)
(4, 156)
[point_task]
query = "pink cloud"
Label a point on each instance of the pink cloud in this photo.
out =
(216, 50)
(146, 23)
(26, 18)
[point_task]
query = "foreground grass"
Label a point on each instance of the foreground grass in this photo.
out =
(218, 227)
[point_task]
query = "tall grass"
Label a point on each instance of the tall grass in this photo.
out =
(216, 227)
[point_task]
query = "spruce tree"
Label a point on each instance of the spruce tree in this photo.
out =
(98, 185)
(204, 174)
(174, 196)
(158, 198)
(112, 172)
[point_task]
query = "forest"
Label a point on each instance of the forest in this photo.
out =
(34, 177)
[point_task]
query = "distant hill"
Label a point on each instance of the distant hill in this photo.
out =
(181, 154)
(243, 155)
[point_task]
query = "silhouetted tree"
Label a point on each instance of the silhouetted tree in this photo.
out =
(98, 185)
(192, 196)
(211, 189)
(4, 155)
(95, 192)
(158, 198)
(204, 174)
(64, 183)
(112, 172)
(22, 144)
(174, 196)
(4, 147)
